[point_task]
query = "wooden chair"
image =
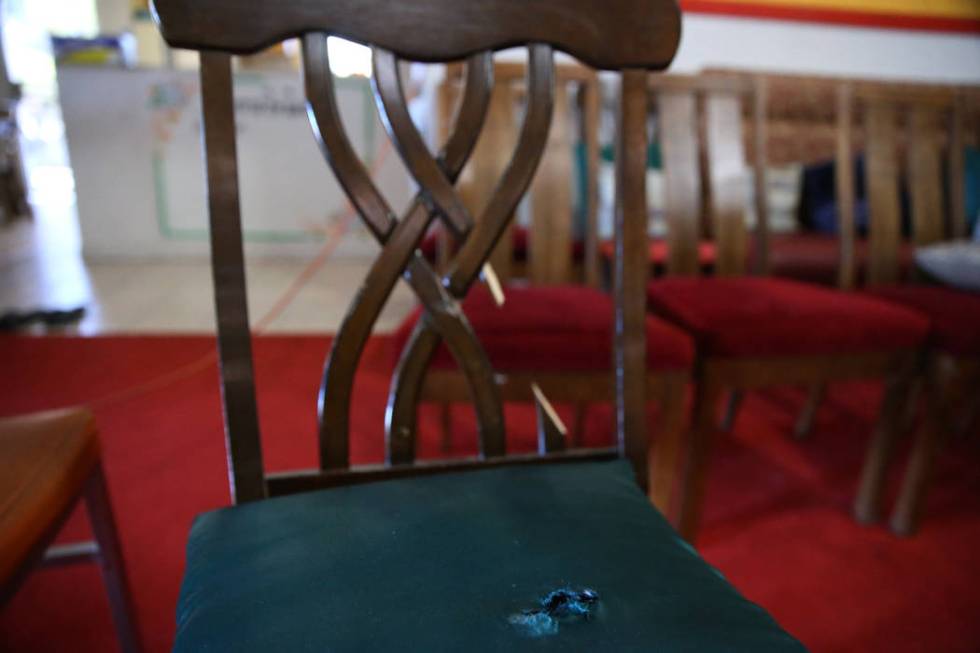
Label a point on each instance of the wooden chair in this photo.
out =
(550, 337)
(755, 332)
(409, 556)
(48, 463)
(928, 129)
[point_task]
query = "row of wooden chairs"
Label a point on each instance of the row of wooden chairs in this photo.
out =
(735, 331)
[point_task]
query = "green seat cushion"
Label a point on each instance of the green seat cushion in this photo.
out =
(461, 561)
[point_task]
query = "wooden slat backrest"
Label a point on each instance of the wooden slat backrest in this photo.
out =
(909, 137)
(884, 207)
(552, 203)
(678, 129)
(489, 159)
(550, 229)
(727, 179)
(631, 36)
(679, 102)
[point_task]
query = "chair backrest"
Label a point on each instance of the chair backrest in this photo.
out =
(910, 138)
(699, 124)
(631, 36)
(552, 202)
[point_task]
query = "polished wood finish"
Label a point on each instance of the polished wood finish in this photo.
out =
(613, 35)
(724, 109)
(550, 198)
(48, 463)
(549, 260)
(760, 135)
(293, 482)
(950, 387)
(242, 439)
(727, 181)
(682, 180)
(466, 266)
(640, 35)
(46, 460)
(630, 271)
(883, 199)
(844, 183)
(399, 239)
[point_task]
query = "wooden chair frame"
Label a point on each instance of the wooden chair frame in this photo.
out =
(89, 478)
(924, 123)
(631, 36)
(551, 263)
(551, 197)
(713, 375)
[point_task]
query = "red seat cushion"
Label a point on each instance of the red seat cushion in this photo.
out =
(520, 237)
(815, 257)
(658, 252)
(755, 316)
(554, 329)
(955, 314)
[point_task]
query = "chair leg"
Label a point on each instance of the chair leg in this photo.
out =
(446, 426)
(111, 562)
(867, 504)
(908, 508)
(578, 427)
(666, 447)
(804, 424)
(695, 477)
(735, 398)
(942, 398)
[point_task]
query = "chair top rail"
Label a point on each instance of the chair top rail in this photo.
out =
(610, 35)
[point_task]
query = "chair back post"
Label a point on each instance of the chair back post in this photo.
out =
(844, 183)
(727, 176)
(630, 269)
(926, 125)
(678, 130)
(882, 176)
(760, 166)
(550, 229)
(955, 166)
(590, 107)
(246, 474)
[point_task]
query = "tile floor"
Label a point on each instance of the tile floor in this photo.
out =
(40, 267)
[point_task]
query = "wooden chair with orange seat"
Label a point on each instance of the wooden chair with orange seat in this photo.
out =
(910, 136)
(549, 332)
(756, 332)
(48, 463)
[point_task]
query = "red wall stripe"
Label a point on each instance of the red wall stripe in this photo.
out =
(840, 17)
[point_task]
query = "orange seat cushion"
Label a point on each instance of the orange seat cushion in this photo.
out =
(554, 329)
(766, 317)
(954, 314)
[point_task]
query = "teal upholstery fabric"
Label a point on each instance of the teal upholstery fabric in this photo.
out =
(443, 563)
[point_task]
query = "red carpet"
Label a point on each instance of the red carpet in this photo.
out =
(777, 522)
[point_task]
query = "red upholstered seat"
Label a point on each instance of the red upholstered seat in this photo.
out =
(658, 252)
(816, 257)
(554, 329)
(954, 314)
(762, 317)
(520, 237)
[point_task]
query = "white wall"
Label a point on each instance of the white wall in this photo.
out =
(817, 48)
